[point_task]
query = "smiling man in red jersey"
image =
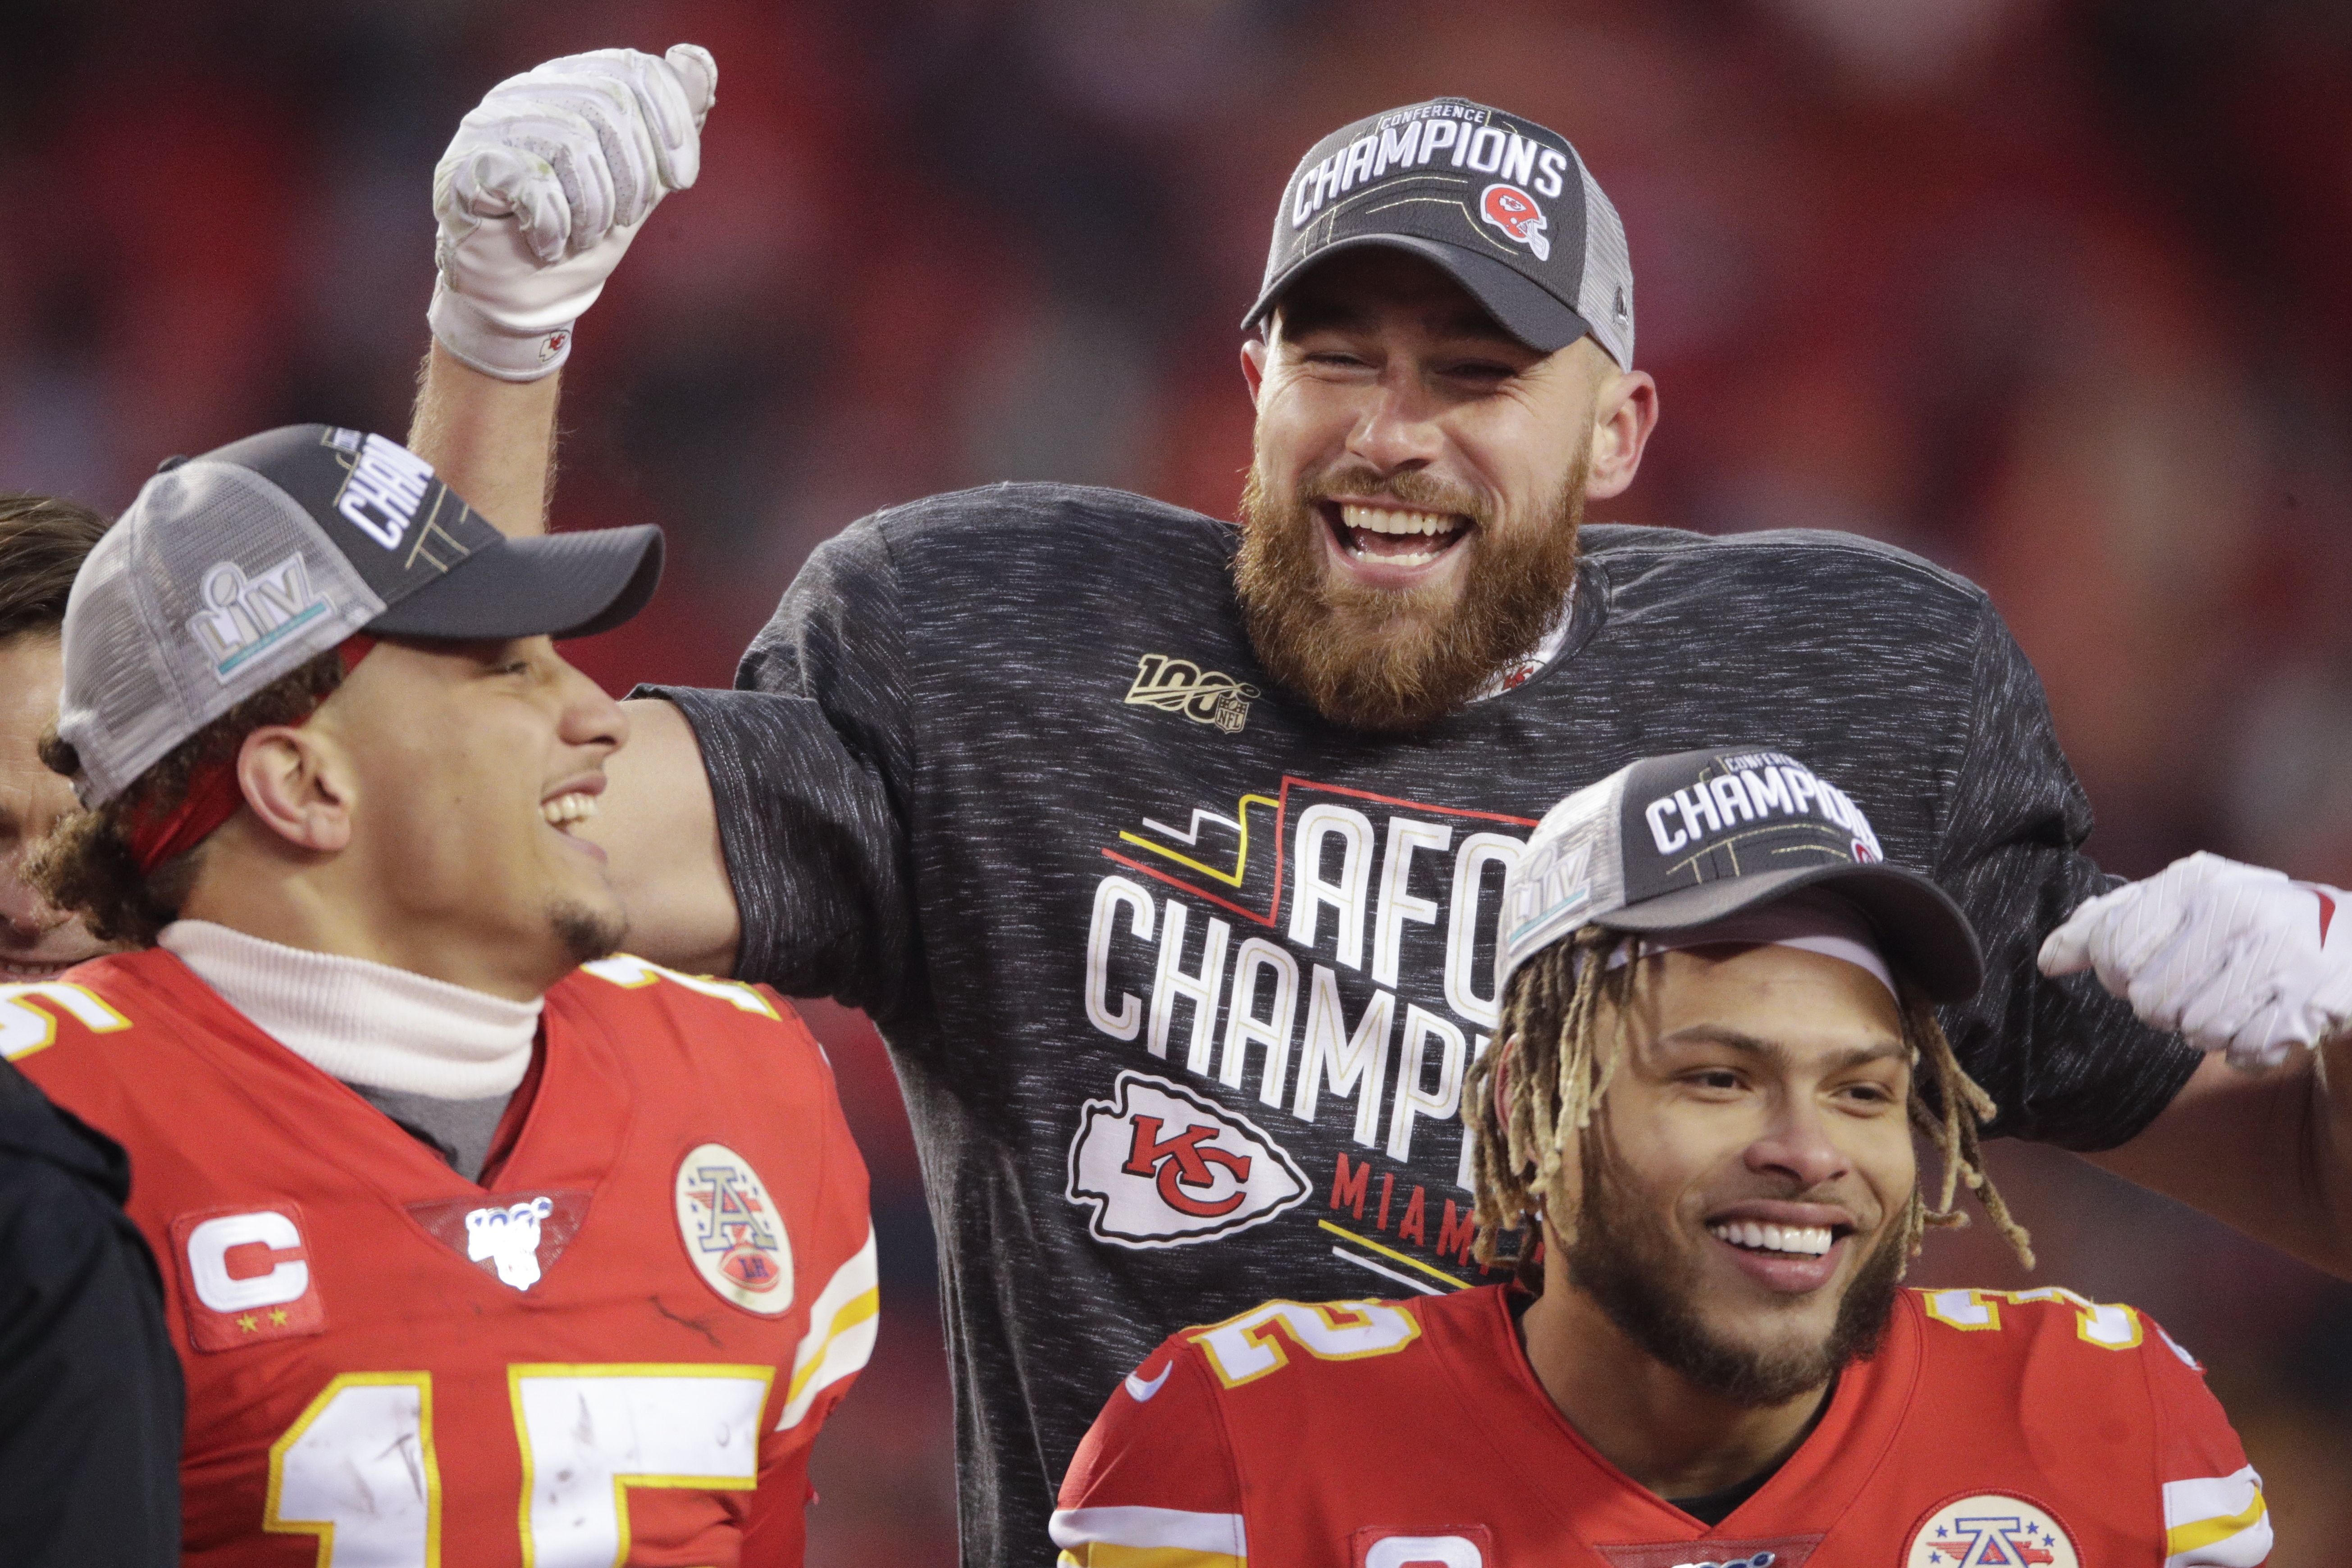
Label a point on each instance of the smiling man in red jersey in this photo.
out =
(481, 1243)
(1719, 1046)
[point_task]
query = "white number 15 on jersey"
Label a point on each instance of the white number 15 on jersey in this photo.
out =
(358, 1470)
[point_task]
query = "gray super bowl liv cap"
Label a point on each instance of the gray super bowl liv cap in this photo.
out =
(231, 569)
(1672, 844)
(1505, 207)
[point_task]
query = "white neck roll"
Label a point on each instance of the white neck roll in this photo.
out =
(365, 1023)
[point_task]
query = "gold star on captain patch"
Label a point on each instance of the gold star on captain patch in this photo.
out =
(247, 1324)
(278, 1318)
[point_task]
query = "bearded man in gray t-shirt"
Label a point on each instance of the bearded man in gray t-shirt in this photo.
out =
(1167, 855)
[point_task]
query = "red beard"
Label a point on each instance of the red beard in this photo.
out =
(1391, 661)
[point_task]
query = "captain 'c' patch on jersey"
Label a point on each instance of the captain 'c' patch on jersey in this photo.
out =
(733, 1235)
(246, 1276)
(1244, 1349)
(1990, 1530)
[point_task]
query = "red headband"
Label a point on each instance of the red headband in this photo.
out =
(213, 794)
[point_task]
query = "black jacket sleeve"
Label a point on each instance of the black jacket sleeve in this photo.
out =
(809, 762)
(91, 1397)
(2067, 1063)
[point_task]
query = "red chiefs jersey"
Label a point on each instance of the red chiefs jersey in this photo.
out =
(617, 1353)
(1992, 1430)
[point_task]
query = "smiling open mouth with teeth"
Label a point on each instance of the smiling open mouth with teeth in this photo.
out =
(1394, 537)
(1752, 1236)
(564, 811)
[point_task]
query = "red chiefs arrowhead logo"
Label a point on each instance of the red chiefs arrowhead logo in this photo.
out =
(1163, 1166)
(1515, 213)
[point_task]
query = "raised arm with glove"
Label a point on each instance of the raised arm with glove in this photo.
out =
(543, 187)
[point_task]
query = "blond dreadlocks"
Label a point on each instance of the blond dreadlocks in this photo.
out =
(1560, 1067)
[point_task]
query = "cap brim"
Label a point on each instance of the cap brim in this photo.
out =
(1526, 310)
(555, 585)
(1923, 934)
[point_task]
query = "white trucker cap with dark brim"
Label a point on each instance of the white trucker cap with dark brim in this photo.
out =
(232, 570)
(1502, 205)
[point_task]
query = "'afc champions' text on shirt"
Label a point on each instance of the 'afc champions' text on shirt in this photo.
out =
(1298, 899)
(1345, 941)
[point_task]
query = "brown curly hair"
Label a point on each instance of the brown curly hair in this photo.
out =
(43, 539)
(1560, 1067)
(85, 866)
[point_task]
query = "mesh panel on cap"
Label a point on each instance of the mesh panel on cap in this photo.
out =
(114, 705)
(212, 585)
(1573, 872)
(1608, 273)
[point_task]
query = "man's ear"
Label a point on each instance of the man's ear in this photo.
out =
(294, 783)
(1625, 412)
(1254, 366)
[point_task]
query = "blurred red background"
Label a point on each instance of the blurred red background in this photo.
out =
(2052, 291)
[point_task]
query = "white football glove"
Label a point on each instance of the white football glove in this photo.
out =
(2235, 957)
(544, 186)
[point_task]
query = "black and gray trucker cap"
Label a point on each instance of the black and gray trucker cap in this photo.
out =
(1505, 207)
(1672, 844)
(231, 569)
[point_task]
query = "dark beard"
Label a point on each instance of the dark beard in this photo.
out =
(587, 934)
(1388, 659)
(1635, 1276)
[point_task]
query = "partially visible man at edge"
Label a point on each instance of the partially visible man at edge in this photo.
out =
(1145, 838)
(90, 1390)
(43, 540)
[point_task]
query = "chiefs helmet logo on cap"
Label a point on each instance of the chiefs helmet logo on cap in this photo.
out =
(1515, 213)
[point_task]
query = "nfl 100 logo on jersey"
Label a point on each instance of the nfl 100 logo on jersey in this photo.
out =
(516, 1237)
(733, 1236)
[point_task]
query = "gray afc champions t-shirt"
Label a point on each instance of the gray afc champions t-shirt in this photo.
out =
(1181, 981)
